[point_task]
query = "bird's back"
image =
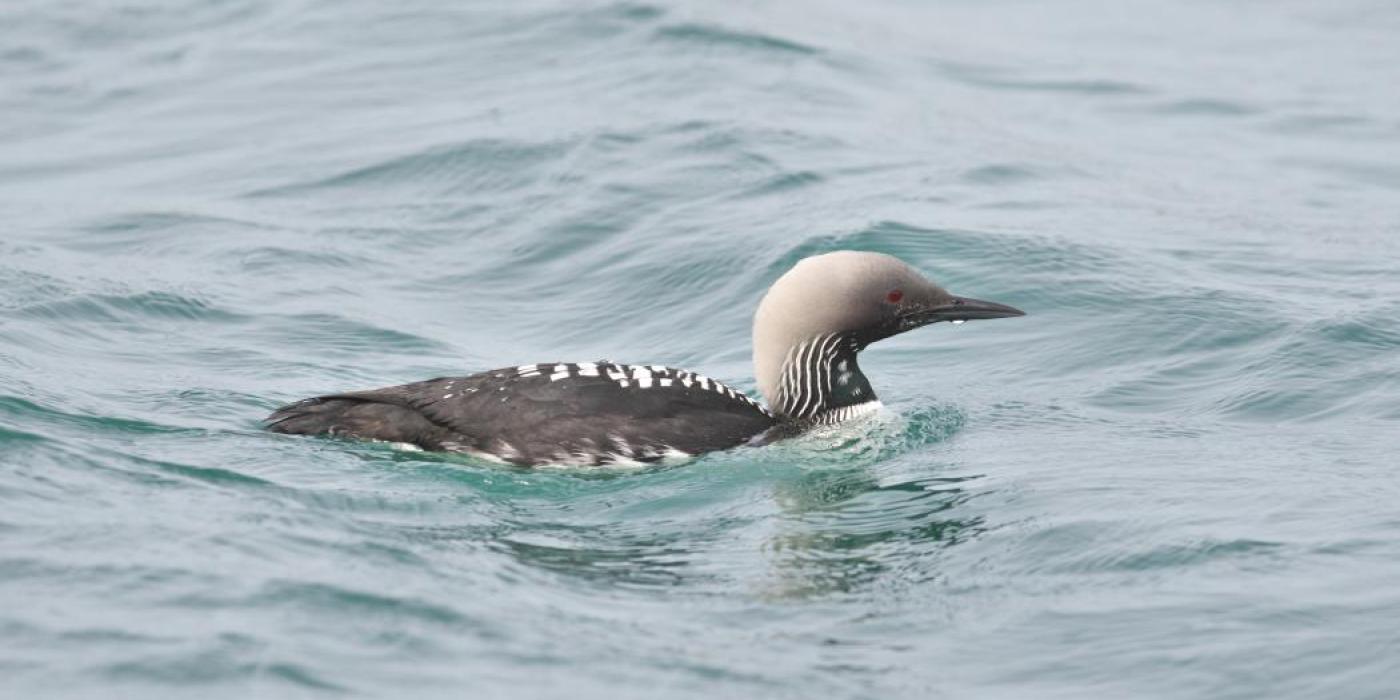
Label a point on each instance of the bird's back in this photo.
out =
(563, 413)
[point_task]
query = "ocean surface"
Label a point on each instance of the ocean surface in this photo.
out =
(1177, 477)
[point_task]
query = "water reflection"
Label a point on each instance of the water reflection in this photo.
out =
(601, 555)
(841, 531)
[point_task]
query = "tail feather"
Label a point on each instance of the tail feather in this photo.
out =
(348, 416)
(319, 416)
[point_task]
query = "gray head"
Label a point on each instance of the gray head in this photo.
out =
(818, 315)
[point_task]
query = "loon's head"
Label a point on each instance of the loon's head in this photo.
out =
(828, 307)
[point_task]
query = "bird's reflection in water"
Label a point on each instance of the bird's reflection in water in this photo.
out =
(841, 530)
(602, 556)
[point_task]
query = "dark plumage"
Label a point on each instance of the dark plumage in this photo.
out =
(530, 415)
(807, 332)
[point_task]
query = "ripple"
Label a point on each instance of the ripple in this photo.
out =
(712, 35)
(24, 411)
(480, 165)
(126, 309)
(1171, 555)
(1003, 79)
(1001, 174)
(209, 475)
(9, 436)
(213, 665)
(1347, 125)
(332, 334)
(637, 562)
(340, 598)
(786, 182)
(281, 260)
(1206, 107)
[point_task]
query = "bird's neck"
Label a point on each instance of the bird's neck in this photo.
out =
(819, 376)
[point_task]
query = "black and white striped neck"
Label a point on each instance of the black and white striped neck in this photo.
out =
(821, 381)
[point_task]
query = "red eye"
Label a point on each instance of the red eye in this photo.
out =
(894, 297)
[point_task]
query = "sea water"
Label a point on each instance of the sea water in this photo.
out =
(1176, 477)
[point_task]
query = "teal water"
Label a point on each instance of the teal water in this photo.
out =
(1175, 478)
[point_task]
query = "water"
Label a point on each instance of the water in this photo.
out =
(1175, 478)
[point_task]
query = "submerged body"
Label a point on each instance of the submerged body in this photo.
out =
(808, 331)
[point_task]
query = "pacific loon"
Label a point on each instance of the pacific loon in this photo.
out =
(808, 330)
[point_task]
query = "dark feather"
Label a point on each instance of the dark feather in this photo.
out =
(537, 417)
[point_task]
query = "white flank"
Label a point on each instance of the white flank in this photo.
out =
(675, 456)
